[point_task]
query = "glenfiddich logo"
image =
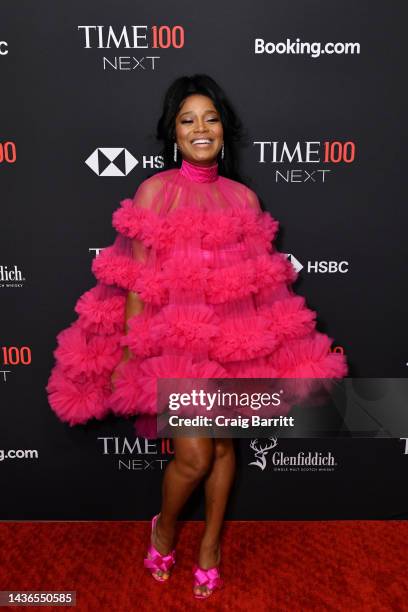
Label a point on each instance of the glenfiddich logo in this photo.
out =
(281, 462)
(11, 276)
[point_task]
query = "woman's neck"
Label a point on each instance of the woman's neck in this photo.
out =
(199, 173)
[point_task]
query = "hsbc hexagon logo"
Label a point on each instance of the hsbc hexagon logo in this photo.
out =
(111, 161)
(295, 262)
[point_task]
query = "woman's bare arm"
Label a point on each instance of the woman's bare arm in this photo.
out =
(134, 304)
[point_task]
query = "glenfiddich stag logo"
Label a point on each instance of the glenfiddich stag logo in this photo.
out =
(261, 451)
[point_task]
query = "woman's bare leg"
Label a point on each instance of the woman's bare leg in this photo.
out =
(192, 460)
(218, 484)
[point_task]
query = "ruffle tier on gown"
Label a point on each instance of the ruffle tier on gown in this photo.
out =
(218, 303)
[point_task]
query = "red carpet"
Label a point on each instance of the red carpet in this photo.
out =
(267, 566)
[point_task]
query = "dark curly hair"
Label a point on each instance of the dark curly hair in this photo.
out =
(232, 126)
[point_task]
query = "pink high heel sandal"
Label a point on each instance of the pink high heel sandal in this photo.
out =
(156, 561)
(209, 578)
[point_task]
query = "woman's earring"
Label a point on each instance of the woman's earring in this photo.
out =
(222, 151)
(175, 151)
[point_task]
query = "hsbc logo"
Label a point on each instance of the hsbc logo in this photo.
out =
(111, 161)
(320, 267)
(295, 262)
(118, 161)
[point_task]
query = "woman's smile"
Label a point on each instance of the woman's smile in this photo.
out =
(199, 130)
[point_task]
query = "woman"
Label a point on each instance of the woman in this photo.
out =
(191, 287)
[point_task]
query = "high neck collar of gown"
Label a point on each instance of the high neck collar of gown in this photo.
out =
(199, 174)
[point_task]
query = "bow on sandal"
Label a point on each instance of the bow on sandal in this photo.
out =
(155, 561)
(209, 578)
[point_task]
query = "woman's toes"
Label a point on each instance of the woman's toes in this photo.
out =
(159, 574)
(201, 590)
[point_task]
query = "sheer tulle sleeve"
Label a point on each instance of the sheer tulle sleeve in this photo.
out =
(302, 351)
(127, 261)
(253, 201)
(287, 311)
(91, 347)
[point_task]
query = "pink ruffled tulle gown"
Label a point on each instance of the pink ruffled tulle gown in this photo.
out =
(218, 303)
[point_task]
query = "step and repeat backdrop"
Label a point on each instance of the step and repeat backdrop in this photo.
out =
(317, 87)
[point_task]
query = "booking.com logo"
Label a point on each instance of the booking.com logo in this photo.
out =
(20, 453)
(314, 49)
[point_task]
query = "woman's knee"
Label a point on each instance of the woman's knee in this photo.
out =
(194, 459)
(223, 447)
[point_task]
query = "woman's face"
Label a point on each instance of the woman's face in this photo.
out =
(196, 120)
